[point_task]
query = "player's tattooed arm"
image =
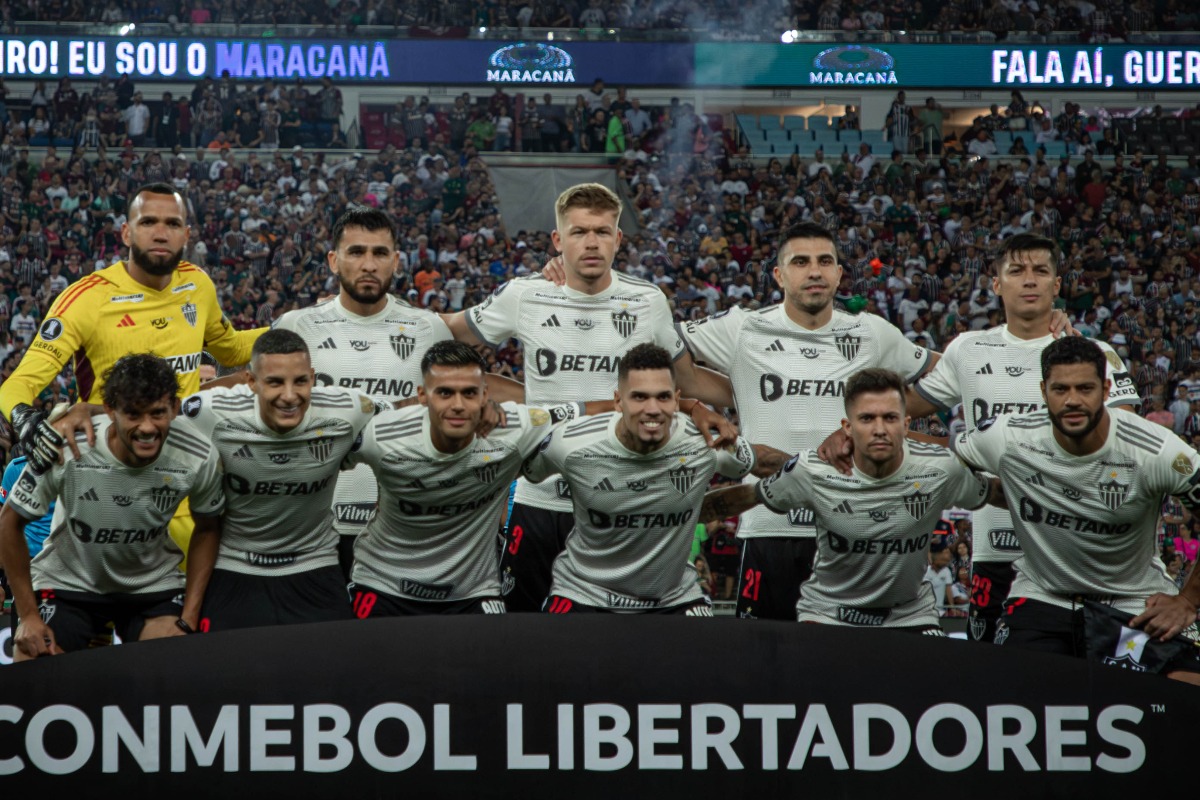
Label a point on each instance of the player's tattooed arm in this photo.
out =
(707, 420)
(768, 460)
(728, 501)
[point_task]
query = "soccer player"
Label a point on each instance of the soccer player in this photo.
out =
(873, 527)
(154, 301)
(574, 338)
(365, 339)
(281, 440)
(1086, 485)
(108, 559)
(636, 477)
(36, 530)
(789, 364)
(431, 548)
(997, 371)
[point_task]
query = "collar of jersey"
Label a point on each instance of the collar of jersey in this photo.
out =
(1008, 336)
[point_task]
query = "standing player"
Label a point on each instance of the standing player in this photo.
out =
(108, 559)
(36, 530)
(281, 440)
(1086, 485)
(574, 338)
(996, 371)
(431, 548)
(366, 339)
(154, 301)
(873, 527)
(789, 364)
(637, 477)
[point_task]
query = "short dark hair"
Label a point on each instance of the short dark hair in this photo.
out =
(452, 353)
(803, 230)
(277, 342)
(645, 356)
(1027, 242)
(370, 219)
(138, 381)
(1073, 350)
(159, 188)
(873, 381)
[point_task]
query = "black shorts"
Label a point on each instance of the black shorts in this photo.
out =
(369, 603)
(725, 565)
(557, 604)
(919, 630)
(1045, 628)
(234, 600)
(533, 540)
(345, 551)
(81, 619)
(990, 583)
(773, 567)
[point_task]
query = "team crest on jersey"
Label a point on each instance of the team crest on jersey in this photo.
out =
(487, 472)
(165, 498)
(321, 448)
(1112, 493)
(624, 322)
(917, 503)
(682, 478)
(978, 628)
(848, 345)
(403, 345)
(189, 313)
(46, 611)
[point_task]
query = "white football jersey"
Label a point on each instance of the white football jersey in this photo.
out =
(992, 372)
(279, 487)
(573, 344)
(380, 356)
(790, 382)
(635, 514)
(109, 530)
(873, 533)
(1087, 525)
(434, 538)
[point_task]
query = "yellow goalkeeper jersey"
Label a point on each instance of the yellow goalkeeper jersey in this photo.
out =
(107, 315)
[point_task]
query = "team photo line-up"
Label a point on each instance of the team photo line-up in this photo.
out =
(281, 494)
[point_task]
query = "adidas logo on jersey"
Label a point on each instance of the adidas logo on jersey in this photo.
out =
(90, 494)
(243, 452)
(605, 485)
(328, 344)
(1036, 479)
(986, 369)
(843, 508)
(126, 322)
(775, 347)
(552, 322)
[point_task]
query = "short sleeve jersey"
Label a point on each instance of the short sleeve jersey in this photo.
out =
(279, 487)
(873, 533)
(789, 382)
(1088, 525)
(108, 314)
(635, 514)
(109, 530)
(993, 372)
(380, 356)
(434, 537)
(573, 344)
(36, 530)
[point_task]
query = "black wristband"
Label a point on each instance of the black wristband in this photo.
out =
(181, 623)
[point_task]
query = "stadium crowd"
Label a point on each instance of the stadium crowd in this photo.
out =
(915, 234)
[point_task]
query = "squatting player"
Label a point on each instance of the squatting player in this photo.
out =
(281, 441)
(637, 477)
(1086, 485)
(873, 527)
(998, 371)
(431, 548)
(574, 337)
(154, 301)
(108, 559)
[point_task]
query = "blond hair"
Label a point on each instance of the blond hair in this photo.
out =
(589, 196)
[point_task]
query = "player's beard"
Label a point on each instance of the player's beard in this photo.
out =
(1093, 421)
(366, 297)
(154, 265)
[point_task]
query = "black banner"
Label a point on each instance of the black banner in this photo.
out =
(532, 706)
